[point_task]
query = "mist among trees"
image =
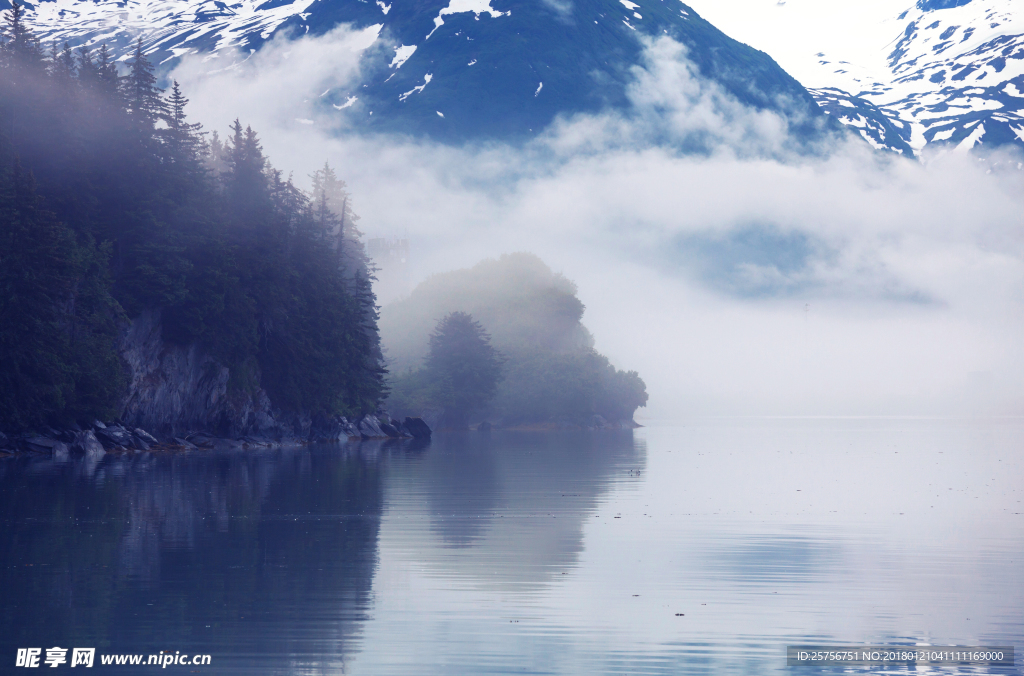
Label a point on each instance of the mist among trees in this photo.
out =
(113, 202)
(550, 371)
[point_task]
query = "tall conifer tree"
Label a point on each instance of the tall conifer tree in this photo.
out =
(141, 94)
(106, 72)
(22, 45)
(183, 139)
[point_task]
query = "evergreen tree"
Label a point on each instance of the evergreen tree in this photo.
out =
(62, 64)
(368, 386)
(288, 200)
(327, 223)
(142, 96)
(330, 193)
(62, 101)
(463, 367)
(87, 72)
(334, 193)
(246, 186)
(106, 72)
(183, 139)
(216, 159)
(22, 46)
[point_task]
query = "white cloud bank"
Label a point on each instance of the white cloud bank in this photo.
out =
(743, 281)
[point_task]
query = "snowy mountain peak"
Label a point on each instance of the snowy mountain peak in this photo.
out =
(449, 69)
(951, 76)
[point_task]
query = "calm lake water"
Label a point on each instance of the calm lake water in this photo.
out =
(703, 547)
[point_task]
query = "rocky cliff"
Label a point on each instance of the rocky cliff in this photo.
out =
(174, 390)
(178, 390)
(178, 397)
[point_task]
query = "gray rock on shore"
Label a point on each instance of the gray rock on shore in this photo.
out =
(60, 452)
(145, 436)
(87, 444)
(350, 429)
(114, 436)
(40, 444)
(417, 428)
(392, 431)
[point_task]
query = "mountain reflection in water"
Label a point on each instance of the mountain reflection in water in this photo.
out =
(702, 548)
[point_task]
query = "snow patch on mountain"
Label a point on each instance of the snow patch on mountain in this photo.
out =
(402, 54)
(870, 121)
(415, 90)
(211, 26)
(478, 7)
(973, 139)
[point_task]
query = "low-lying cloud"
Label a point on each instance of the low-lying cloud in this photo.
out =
(744, 279)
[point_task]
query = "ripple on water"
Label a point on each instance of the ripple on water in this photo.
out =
(700, 548)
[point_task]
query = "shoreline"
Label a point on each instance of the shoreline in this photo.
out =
(117, 438)
(98, 438)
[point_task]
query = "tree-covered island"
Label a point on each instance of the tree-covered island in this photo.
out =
(527, 359)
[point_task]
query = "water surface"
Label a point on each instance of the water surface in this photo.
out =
(702, 547)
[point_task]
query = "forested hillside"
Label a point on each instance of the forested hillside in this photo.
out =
(112, 202)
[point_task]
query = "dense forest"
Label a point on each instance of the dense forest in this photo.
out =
(547, 368)
(113, 202)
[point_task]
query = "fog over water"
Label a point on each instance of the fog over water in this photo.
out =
(744, 280)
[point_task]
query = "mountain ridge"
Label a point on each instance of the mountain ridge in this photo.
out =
(453, 69)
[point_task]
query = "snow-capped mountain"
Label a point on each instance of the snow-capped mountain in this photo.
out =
(450, 69)
(952, 75)
(877, 126)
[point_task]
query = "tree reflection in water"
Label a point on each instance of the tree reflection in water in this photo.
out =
(262, 559)
(266, 560)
